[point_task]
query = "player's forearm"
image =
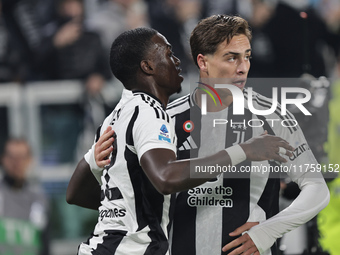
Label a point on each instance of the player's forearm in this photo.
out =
(83, 189)
(174, 176)
(313, 198)
(171, 176)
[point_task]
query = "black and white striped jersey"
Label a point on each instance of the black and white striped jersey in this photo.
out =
(133, 216)
(202, 220)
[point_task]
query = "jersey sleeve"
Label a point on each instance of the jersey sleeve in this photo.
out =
(303, 159)
(152, 131)
(314, 195)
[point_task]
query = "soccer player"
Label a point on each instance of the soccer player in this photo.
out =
(134, 207)
(221, 49)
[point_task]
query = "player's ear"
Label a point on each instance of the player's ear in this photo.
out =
(202, 63)
(147, 66)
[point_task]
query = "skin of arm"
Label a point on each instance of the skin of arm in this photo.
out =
(83, 189)
(167, 174)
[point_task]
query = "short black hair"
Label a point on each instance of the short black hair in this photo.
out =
(127, 52)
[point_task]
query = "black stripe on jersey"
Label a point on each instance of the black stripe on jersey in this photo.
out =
(110, 242)
(150, 95)
(279, 107)
(113, 193)
(236, 216)
(167, 117)
(268, 105)
(132, 164)
(88, 239)
(148, 201)
(269, 201)
(266, 125)
(157, 113)
(178, 102)
(163, 115)
(128, 136)
(148, 204)
(263, 100)
(184, 241)
(98, 133)
(143, 97)
(160, 113)
(152, 104)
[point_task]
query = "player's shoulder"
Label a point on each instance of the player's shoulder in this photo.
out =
(179, 105)
(281, 122)
(262, 102)
(257, 98)
(150, 107)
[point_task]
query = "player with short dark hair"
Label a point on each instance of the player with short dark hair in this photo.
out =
(251, 222)
(143, 170)
(125, 58)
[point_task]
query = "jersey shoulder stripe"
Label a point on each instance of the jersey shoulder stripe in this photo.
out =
(266, 103)
(179, 107)
(287, 118)
(155, 105)
(269, 101)
(178, 101)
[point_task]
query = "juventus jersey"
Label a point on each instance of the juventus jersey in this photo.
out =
(133, 216)
(202, 221)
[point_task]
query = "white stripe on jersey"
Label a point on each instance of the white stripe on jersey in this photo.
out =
(178, 106)
(178, 101)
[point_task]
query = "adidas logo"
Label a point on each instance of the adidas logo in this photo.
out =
(188, 144)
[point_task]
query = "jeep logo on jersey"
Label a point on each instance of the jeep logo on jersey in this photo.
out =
(238, 99)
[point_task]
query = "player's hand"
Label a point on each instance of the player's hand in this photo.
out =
(104, 147)
(267, 147)
(247, 245)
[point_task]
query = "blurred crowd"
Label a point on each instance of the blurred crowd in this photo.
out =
(51, 40)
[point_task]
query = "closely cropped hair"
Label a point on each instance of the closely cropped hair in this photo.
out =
(210, 32)
(127, 52)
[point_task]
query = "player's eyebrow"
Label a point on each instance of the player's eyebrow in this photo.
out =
(235, 53)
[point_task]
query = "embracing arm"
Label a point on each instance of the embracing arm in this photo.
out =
(169, 175)
(84, 189)
(160, 165)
